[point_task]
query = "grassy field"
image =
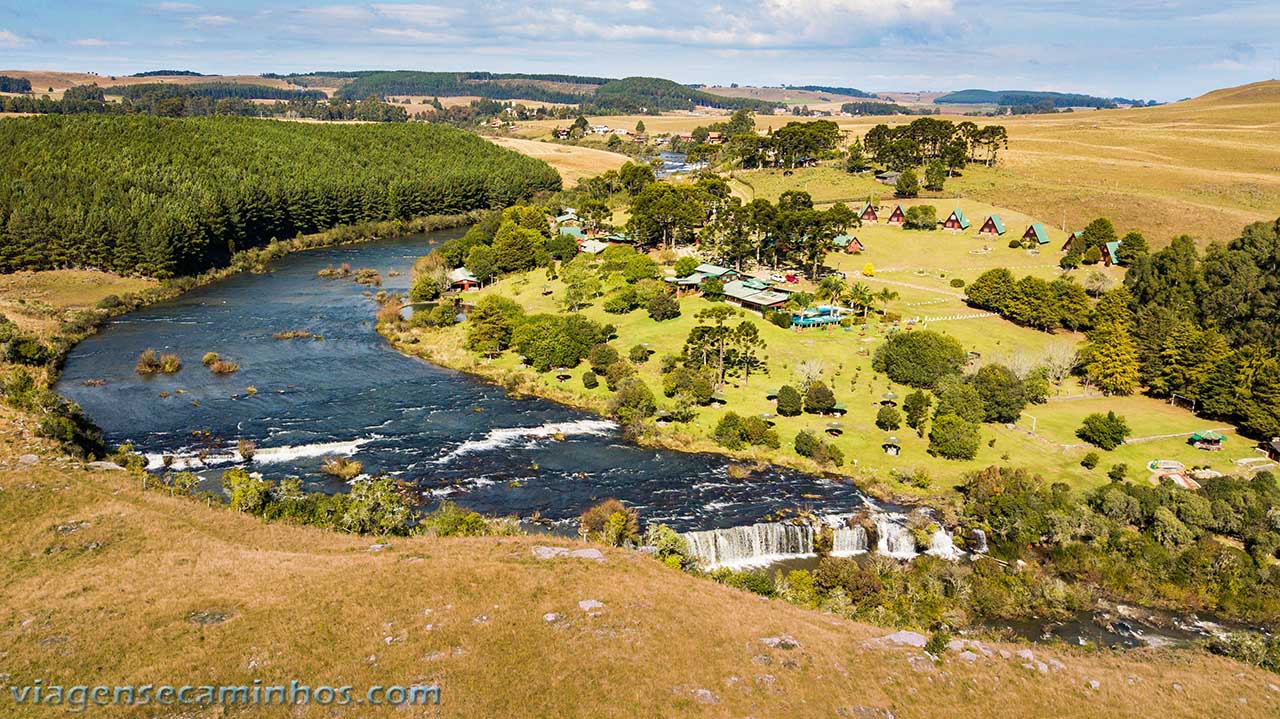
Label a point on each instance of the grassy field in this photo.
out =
(54, 83)
(573, 163)
(919, 267)
(34, 300)
(1204, 167)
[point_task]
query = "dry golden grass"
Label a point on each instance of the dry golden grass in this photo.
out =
(573, 163)
(42, 80)
(111, 602)
(31, 298)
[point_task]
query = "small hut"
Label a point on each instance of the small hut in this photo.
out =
(1273, 449)
(956, 220)
(897, 217)
(1037, 234)
(891, 446)
(868, 213)
(462, 279)
(993, 226)
(1207, 439)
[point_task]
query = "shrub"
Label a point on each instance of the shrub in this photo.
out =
(937, 643)
(248, 493)
(589, 380)
(450, 520)
(27, 350)
(620, 302)
(639, 354)
(713, 289)
(730, 432)
(695, 384)
(919, 359)
(685, 266)
(1015, 243)
(601, 357)
(779, 319)
(1118, 472)
(377, 506)
(610, 522)
(618, 373)
(669, 547)
(209, 358)
(149, 362)
(1003, 397)
(789, 402)
(633, 402)
(754, 582)
(1104, 431)
(110, 302)
(917, 405)
(344, 468)
(818, 399)
(952, 437)
(888, 418)
(806, 443)
(920, 217)
(957, 282)
(1090, 460)
(663, 307)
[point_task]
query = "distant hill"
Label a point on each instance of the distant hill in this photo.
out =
(569, 89)
(1031, 97)
(846, 91)
(168, 73)
(637, 94)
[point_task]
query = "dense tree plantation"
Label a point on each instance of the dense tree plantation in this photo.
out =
(166, 197)
(214, 99)
(488, 85)
(653, 95)
(219, 90)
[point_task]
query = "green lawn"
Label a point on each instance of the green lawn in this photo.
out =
(919, 266)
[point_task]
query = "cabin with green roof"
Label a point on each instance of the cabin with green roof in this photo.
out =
(898, 216)
(868, 213)
(1111, 254)
(956, 220)
(993, 226)
(848, 243)
(1036, 233)
(1207, 439)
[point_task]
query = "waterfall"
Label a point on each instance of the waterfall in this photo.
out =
(940, 545)
(979, 541)
(757, 544)
(894, 540)
(849, 542)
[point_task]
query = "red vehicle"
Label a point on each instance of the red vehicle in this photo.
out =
(792, 278)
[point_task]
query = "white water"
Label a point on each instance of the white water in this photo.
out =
(979, 541)
(941, 545)
(263, 455)
(849, 542)
(754, 545)
(511, 436)
(893, 538)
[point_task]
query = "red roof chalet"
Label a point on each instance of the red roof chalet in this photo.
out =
(897, 217)
(869, 213)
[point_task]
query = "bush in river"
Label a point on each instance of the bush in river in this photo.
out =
(344, 468)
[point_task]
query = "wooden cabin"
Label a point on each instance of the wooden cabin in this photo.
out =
(1036, 234)
(849, 244)
(956, 220)
(1273, 449)
(897, 217)
(461, 279)
(1207, 439)
(869, 213)
(993, 226)
(1110, 254)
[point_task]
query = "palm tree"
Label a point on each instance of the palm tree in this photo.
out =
(861, 296)
(831, 287)
(885, 296)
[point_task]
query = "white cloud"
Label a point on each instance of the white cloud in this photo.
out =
(11, 40)
(97, 42)
(430, 15)
(411, 34)
(176, 7)
(215, 20)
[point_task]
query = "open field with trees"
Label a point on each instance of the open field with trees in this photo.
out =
(1204, 167)
(573, 163)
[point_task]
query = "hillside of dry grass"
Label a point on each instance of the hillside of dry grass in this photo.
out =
(106, 583)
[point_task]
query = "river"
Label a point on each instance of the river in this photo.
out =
(447, 433)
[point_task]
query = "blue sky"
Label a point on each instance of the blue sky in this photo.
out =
(1139, 48)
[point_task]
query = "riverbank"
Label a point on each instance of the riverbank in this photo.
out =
(445, 347)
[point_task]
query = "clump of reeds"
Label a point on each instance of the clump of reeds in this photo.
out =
(151, 362)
